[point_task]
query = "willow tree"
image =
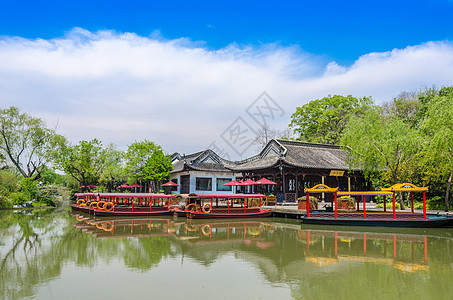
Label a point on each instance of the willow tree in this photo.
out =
(25, 141)
(438, 125)
(377, 143)
(323, 120)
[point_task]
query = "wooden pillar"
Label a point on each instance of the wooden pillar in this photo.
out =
(132, 199)
(385, 205)
(364, 206)
(228, 199)
(283, 185)
(424, 205)
(412, 202)
(335, 199)
(394, 211)
(307, 200)
(357, 199)
(349, 184)
(322, 181)
(297, 187)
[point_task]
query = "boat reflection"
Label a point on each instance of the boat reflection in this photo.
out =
(407, 253)
(281, 245)
(195, 231)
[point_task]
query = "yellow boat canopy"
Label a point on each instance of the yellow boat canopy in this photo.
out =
(321, 188)
(405, 187)
(365, 193)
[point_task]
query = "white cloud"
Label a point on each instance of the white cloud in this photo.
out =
(124, 87)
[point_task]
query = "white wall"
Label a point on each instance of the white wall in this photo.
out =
(213, 176)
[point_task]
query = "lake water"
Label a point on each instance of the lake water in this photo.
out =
(62, 255)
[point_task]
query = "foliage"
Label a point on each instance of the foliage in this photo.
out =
(147, 161)
(323, 120)
(378, 143)
(49, 176)
(29, 188)
(17, 198)
(388, 205)
(438, 125)
(9, 182)
(84, 162)
(4, 202)
(114, 172)
(137, 155)
(25, 141)
(157, 167)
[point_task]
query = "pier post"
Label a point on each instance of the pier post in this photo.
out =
(335, 197)
(424, 205)
(394, 211)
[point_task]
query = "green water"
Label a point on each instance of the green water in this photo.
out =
(61, 255)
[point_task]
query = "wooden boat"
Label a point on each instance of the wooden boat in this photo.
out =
(124, 204)
(210, 206)
(383, 219)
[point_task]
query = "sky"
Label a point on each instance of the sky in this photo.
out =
(190, 75)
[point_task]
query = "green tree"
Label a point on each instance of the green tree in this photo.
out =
(84, 162)
(438, 129)
(136, 156)
(157, 167)
(114, 172)
(25, 141)
(376, 143)
(323, 120)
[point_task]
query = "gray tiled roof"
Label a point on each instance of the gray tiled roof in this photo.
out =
(292, 153)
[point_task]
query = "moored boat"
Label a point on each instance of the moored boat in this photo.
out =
(124, 204)
(383, 219)
(210, 206)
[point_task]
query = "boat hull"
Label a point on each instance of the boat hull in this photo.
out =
(201, 215)
(99, 212)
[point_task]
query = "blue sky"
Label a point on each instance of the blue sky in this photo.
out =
(182, 73)
(341, 30)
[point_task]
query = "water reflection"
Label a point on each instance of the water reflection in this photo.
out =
(271, 256)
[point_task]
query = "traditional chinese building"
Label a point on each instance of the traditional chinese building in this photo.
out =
(201, 172)
(293, 165)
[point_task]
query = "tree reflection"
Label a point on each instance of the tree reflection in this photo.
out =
(313, 263)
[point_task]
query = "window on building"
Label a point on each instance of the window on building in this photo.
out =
(203, 184)
(220, 184)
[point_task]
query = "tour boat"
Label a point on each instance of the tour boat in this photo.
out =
(364, 218)
(210, 206)
(124, 204)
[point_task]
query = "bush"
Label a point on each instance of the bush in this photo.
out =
(29, 188)
(9, 182)
(4, 202)
(17, 198)
(312, 199)
(350, 200)
(388, 205)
